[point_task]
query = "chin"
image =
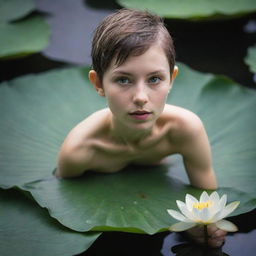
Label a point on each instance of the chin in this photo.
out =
(143, 126)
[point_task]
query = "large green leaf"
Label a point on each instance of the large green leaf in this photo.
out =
(228, 112)
(195, 9)
(250, 58)
(24, 37)
(27, 230)
(134, 200)
(15, 9)
(37, 111)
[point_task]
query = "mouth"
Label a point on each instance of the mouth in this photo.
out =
(140, 114)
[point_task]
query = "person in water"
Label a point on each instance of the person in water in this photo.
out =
(133, 67)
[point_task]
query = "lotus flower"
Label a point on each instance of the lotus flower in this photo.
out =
(209, 209)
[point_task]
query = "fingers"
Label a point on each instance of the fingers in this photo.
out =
(216, 242)
(213, 231)
(218, 233)
(216, 236)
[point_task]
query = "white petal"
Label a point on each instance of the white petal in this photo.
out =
(226, 225)
(216, 217)
(214, 209)
(190, 200)
(183, 208)
(228, 209)
(219, 208)
(204, 215)
(212, 212)
(181, 226)
(222, 202)
(196, 213)
(204, 197)
(176, 215)
(214, 198)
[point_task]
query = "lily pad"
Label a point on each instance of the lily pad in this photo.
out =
(193, 9)
(24, 37)
(15, 9)
(26, 229)
(37, 111)
(250, 58)
(134, 200)
(230, 124)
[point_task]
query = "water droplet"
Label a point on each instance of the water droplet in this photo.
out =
(88, 221)
(122, 208)
(135, 202)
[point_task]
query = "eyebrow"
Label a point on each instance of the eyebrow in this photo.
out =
(129, 74)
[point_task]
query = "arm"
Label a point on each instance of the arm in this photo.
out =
(76, 152)
(72, 162)
(75, 155)
(196, 152)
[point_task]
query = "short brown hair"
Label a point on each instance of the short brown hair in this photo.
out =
(126, 33)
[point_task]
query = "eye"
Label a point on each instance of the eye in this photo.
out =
(154, 80)
(123, 80)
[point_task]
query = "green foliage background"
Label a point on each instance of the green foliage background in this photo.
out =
(21, 33)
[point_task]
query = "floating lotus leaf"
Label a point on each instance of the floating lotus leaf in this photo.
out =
(26, 229)
(15, 9)
(196, 9)
(227, 111)
(250, 58)
(37, 111)
(24, 37)
(134, 200)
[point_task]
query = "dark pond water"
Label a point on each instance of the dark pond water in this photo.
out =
(211, 46)
(242, 243)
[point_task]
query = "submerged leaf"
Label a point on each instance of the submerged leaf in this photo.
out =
(193, 9)
(26, 229)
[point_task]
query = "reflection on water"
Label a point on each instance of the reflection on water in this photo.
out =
(235, 245)
(193, 250)
(242, 243)
(170, 244)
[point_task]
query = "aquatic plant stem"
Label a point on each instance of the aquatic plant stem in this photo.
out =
(205, 236)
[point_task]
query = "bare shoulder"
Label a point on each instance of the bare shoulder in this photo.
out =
(81, 134)
(76, 150)
(184, 123)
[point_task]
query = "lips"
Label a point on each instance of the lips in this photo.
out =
(140, 115)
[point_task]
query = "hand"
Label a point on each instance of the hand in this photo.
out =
(216, 236)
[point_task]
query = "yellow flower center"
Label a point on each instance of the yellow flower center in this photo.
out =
(201, 206)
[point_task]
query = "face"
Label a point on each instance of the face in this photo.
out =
(137, 90)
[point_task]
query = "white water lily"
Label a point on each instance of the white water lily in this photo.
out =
(209, 209)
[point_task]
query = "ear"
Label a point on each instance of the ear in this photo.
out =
(173, 75)
(174, 72)
(97, 84)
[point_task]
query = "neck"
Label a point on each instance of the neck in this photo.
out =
(128, 136)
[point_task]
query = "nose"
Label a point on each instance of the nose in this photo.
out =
(140, 97)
